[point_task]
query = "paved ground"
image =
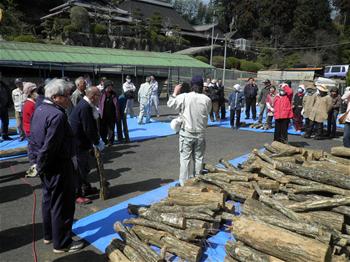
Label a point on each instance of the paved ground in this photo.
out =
(131, 170)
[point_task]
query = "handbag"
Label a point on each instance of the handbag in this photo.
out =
(177, 122)
(343, 117)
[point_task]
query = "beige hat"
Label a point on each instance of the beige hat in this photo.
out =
(322, 88)
(28, 88)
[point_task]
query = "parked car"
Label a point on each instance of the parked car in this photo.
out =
(336, 71)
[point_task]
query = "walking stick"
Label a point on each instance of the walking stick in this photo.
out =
(101, 173)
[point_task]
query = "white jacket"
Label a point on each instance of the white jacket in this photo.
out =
(346, 98)
(18, 98)
(195, 109)
(144, 94)
(128, 87)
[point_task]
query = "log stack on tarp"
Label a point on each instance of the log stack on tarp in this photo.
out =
(306, 218)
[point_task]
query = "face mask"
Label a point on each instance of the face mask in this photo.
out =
(128, 80)
(300, 90)
(282, 93)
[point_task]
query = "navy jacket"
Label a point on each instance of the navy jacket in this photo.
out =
(84, 126)
(51, 139)
(236, 100)
(250, 91)
(122, 105)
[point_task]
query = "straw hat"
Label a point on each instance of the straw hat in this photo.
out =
(28, 87)
(322, 88)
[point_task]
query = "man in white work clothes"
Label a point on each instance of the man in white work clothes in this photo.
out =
(129, 92)
(154, 96)
(144, 96)
(195, 108)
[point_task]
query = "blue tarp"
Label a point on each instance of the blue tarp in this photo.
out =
(97, 228)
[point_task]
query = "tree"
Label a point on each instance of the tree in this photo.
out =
(79, 17)
(343, 6)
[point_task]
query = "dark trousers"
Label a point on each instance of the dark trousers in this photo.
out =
(83, 159)
(298, 120)
(250, 103)
(237, 113)
(281, 130)
(223, 110)
(307, 123)
(4, 116)
(269, 121)
(58, 206)
(122, 127)
(107, 130)
(314, 126)
(262, 107)
(346, 138)
(332, 122)
(215, 111)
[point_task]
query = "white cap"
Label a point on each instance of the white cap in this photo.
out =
(237, 87)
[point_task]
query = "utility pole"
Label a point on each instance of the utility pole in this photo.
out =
(212, 39)
(228, 36)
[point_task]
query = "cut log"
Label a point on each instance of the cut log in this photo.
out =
(186, 235)
(270, 149)
(320, 188)
(171, 219)
(128, 251)
(340, 151)
(185, 250)
(328, 219)
(345, 210)
(144, 250)
(336, 159)
(13, 152)
(319, 204)
(227, 164)
(195, 223)
(115, 255)
(213, 169)
(228, 178)
(197, 183)
(208, 209)
(279, 242)
(329, 166)
(243, 253)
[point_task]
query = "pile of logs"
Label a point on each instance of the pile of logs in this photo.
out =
(306, 217)
(296, 207)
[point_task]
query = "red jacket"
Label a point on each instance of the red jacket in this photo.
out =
(27, 111)
(283, 105)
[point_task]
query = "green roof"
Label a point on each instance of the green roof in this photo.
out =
(46, 53)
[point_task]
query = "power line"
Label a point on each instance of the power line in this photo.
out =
(299, 48)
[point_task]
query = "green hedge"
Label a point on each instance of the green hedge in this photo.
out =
(250, 66)
(100, 29)
(233, 62)
(26, 38)
(202, 58)
(218, 61)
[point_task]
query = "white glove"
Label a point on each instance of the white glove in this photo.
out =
(32, 172)
(272, 109)
(100, 146)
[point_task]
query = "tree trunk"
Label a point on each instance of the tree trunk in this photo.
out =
(185, 250)
(340, 151)
(279, 242)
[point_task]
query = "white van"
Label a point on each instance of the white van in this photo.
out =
(336, 71)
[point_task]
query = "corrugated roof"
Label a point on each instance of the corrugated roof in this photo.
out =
(45, 53)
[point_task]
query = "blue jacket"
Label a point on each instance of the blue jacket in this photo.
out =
(236, 100)
(84, 126)
(122, 105)
(51, 139)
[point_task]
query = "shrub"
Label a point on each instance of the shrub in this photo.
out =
(250, 66)
(218, 61)
(70, 29)
(79, 18)
(26, 38)
(202, 58)
(100, 29)
(233, 62)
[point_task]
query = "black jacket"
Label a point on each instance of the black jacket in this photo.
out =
(5, 97)
(84, 126)
(250, 91)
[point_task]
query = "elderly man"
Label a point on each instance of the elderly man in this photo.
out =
(129, 90)
(83, 120)
(18, 98)
(262, 99)
(154, 102)
(79, 93)
(195, 108)
(144, 97)
(51, 148)
(250, 93)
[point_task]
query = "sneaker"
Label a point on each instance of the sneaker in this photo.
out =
(47, 242)
(82, 200)
(73, 247)
(6, 137)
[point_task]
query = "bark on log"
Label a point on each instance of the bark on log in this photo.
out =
(227, 164)
(196, 223)
(270, 149)
(329, 166)
(197, 183)
(243, 253)
(279, 242)
(228, 178)
(320, 188)
(319, 204)
(345, 210)
(183, 197)
(214, 169)
(340, 151)
(128, 251)
(208, 209)
(144, 250)
(13, 152)
(186, 235)
(171, 219)
(185, 250)
(115, 255)
(336, 159)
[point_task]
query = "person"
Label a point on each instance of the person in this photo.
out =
(41, 93)
(88, 81)
(236, 103)
(269, 105)
(79, 92)
(109, 112)
(308, 102)
(122, 124)
(51, 147)
(196, 108)
(214, 94)
(222, 100)
(298, 107)
(262, 99)
(250, 93)
(30, 90)
(101, 86)
(18, 98)
(154, 102)
(129, 92)
(346, 99)
(5, 104)
(83, 121)
(322, 104)
(333, 113)
(282, 106)
(144, 98)
(206, 88)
